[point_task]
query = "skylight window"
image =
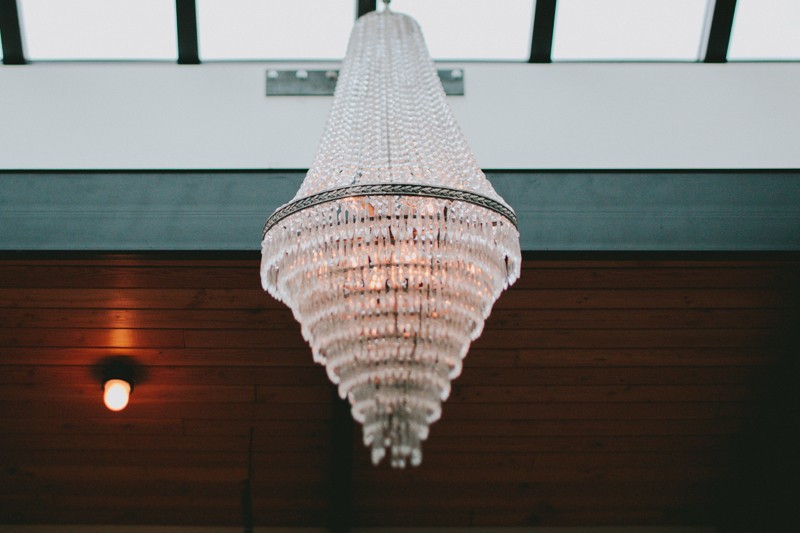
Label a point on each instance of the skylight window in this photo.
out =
(478, 29)
(99, 29)
(273, 29)
(765, 29)
(638, 30)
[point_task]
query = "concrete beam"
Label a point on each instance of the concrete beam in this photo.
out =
(575, 210)
(515, 116)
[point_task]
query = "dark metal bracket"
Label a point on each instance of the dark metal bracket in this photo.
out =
(303, 82)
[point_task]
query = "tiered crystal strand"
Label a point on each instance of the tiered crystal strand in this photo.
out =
(396, 246)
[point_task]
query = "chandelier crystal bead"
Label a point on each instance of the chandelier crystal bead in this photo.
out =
(396, 246)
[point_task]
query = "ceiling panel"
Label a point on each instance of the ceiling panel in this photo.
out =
(478, 30)
(640, 30)
(99, 29)
(765, 29)
(273, 29)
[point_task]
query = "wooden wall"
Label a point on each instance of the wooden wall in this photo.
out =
(605, 390)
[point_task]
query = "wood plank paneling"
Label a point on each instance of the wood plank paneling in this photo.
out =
(545, 338)
(572, 298)
(190, 276)
(261, 318)
(238, 338)
(281, 318)
(549, 274)
(521, 428)
(86, 390)
(501, 375)
(534, 444)
(78, 409)
(603, 391)
(114, 338)
(478, 357)
(158, 357)
(621, 357)
(186, 375)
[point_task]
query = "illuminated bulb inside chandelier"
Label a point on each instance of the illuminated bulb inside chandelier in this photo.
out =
(396, 246)
(116, 393)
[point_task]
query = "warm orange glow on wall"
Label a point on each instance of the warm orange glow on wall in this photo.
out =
(116, 394)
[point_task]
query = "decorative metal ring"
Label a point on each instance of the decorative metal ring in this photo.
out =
(389, 189)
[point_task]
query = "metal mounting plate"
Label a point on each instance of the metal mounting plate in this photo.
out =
(303, 82)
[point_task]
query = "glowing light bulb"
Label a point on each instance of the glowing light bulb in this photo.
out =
(116, 394)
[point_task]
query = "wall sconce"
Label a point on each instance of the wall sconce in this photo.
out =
(118, 375)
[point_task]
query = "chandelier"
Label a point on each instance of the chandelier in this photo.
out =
(396, 246)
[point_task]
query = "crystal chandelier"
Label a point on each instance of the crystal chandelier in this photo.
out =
(396, 246)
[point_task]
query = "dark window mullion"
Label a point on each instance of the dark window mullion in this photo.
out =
(11, 33)
(719, 35)
(544, 20)
(365, 6)
(186, 14)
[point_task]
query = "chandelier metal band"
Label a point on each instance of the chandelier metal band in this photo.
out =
(389, 189)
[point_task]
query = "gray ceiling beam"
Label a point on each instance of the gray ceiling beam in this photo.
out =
(557, 210)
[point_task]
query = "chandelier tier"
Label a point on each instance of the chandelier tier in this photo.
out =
(396, 246)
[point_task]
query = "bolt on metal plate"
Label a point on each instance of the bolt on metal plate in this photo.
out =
(303, 82)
